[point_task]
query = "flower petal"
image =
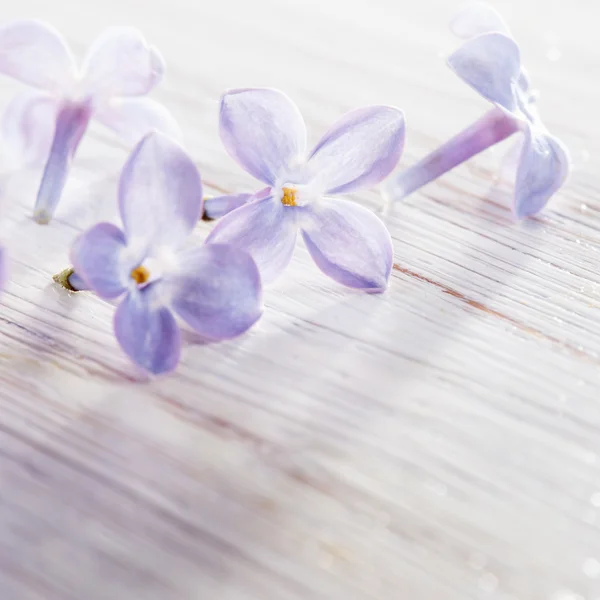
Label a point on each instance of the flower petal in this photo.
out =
(133, 118)
(265, 229)
(221, 205)
(543, 169)
(360, 150)
(491, 65)
(218, 292)
(148, 333)
(120, 63)
(160, 193)
(476, 19)
(28, 128)
(99, 258)
(263, 131)
(349, 243)
(36, 54)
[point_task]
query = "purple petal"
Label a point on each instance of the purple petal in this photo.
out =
(36, 54)
(491, 65)
(160, 193)
(218, 206)
(263, 131)
(28, 128)
(476, 19)
(217, 292)
(265, 229)
(3, 267)
(360, 150)
(349, 243)
(133, 118)
(543, 169)
(120, 63)
(148, 333)
(99, 257)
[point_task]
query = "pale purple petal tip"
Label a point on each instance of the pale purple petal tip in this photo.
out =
(543, 169)
(477, 18)
(148, 334)
(98, 258)
(218, 293)
(121, 63)
(263, 131)
(359, 151)
(132, 118)
(36, 54)
(349, 244)
(265, 229)
(160, 193)
(491, 65)
(219, 206)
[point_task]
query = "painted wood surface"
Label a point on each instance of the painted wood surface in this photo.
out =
(441, 441)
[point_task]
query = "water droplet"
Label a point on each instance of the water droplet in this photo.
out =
(584, 207)
(591, 568)
(488, 582)
(553, 54)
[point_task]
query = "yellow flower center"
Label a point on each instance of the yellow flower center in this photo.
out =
(140, 274)
(289, 196)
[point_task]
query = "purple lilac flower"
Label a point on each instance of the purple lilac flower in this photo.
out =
(47, 123)
(490, 62)
(263, 130)
(156, 274)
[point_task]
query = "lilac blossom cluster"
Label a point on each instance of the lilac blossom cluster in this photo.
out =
(153, 267)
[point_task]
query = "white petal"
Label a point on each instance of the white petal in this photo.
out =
(28, 128)
(36, 54)
(121, 63)
(133, 118)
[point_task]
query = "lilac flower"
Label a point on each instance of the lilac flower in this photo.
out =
(263, 130)
(490, 62)
(46, 124)
(214, 288)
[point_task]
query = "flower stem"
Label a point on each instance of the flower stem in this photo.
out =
(70, 280)
(490, 129)
(71, 123)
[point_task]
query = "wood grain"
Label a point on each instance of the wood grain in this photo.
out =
(441, 441)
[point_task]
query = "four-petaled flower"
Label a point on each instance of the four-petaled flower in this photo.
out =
(214, 288)
(490, 62)
(47, 124)
(263, 130)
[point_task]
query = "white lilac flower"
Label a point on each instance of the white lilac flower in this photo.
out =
(45, 124)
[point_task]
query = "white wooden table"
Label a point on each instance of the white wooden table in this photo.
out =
(438, 442)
